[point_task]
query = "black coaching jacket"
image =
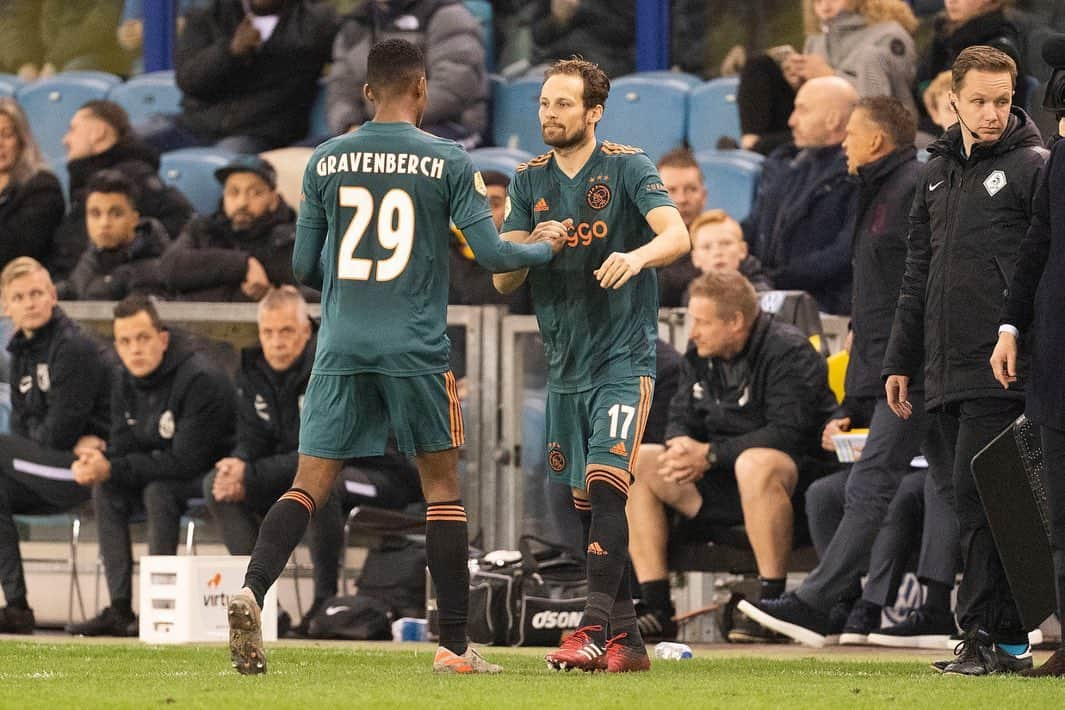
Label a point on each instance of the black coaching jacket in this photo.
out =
(774, 394)
(172, 424)
(968, 219)
(60, 383)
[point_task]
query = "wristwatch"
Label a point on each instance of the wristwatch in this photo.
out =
(711, 456)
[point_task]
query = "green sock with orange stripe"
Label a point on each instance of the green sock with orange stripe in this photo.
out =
(446, 549)
(281, 531)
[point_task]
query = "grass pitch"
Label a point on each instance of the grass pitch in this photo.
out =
(54, 673)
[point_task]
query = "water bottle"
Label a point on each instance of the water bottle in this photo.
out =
(668, 651)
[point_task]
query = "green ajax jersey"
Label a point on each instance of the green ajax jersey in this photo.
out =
(383, 196)
(592, 335)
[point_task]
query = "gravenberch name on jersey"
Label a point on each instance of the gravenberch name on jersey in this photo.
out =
(384, 163)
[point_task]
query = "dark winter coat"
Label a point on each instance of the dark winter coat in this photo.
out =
(1036, 302)
(173, 424)
(209, 260)
(267, 95)
(968, 219)
(30, 212)
(268, 420)
(774, 394)
(138, 162)
(600, 31)
(802, 221)
(885, 195)
(113, 274)
(60, 384)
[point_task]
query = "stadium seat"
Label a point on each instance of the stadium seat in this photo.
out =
(503, 160)
(191, 170)
(713, 113)
(68, 522)
(746, 155)
(730, 181)
(50, 103)
(9, 84)
(106, 77)
(637, 101)
(318, 129)
(147, 94)
(482, 10)
(657, 74)
(515, 115)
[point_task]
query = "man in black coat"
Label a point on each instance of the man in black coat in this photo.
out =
(1033, 322)
(742, 439)
(101, 138)
(171, 418)
(881, 154)
(970, 212)
(248, 72)
(802, 219)
(242, 250)
(59, 405)
(125, 250)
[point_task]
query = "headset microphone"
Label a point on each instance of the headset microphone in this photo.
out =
(974, 134)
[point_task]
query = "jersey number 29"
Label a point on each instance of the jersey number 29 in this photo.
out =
(395, 231)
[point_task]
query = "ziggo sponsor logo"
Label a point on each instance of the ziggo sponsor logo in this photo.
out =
(584, 233)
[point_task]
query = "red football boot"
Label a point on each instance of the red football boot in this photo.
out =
(626, 658)
(578, 651)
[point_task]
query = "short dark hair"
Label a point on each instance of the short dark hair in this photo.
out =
(892, 117)
(113, 182)
(596, 82)
(980, 57)
(680, 158)
(393, 65)
(112, 114)
(136, 303)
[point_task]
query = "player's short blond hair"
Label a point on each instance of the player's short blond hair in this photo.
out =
(17, 268)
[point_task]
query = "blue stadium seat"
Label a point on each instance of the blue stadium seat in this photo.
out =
(730, 182)
(191, 170)
(318, 129)
(515, 115)
(103, 76)
(503, 160)
(482, 10)
(746, 155)
(690, 79)
(9, 84)
(637, 102)
(50, 103)
(1035, 94)
(713, 113)
(147, 94)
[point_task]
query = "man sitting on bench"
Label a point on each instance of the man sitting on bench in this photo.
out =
(742, 442)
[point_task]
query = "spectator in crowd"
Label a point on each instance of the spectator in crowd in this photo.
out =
(964, 23)
(684, 179)
(741, 446)
(880, 151)
(937, 102)
(100, 138)
(801, 223)
(718, 245)
(972, 207)
(599, 31)
(451, 38)
(20, 41)
(31, 201)
(248, 71)
(59, 407)
(242, 250)
(123, 256)
(242, 486)
(867, 42)
(171, 419)
(80, 35)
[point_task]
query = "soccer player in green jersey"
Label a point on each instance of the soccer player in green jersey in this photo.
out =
(597, 306)
(372, 235)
